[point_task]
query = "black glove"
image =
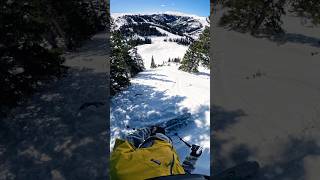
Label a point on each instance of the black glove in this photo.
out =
(196, 150)
(157, 129)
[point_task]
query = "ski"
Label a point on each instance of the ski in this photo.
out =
(170, 124)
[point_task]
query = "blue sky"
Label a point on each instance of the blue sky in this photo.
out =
(197, 7)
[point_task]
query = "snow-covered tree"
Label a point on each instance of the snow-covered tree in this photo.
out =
(119, 71)
(124, 63)
(198, 53)
(137, 64)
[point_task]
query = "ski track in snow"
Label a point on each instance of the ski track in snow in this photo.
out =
(159, 94)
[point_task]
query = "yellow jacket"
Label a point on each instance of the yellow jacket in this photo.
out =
(130, 163)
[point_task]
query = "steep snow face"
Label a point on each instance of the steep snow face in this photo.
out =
(179, 23)
(163, 93)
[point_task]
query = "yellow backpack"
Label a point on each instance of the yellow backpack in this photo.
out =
(129, 163)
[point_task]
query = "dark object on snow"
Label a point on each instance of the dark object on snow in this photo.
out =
(87, 104)
(244, 171)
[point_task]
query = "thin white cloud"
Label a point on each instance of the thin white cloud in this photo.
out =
(163, 5)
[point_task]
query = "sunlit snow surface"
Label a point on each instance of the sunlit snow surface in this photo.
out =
(163, 93)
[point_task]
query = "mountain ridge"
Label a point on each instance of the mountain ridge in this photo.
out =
(175, 22)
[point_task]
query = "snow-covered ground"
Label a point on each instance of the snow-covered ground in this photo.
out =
(272, 118)
(49, 137)
(161, 50)
(163, 93)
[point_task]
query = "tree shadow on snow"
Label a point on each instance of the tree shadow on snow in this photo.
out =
(299, 158)
(141, 105)
(50, 138)
(293, 38)
(298, 38)
(96, 46)
(221, 120)
(203, 74)
(151, 76)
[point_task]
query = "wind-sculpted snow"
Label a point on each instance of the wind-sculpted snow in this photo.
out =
(157, 95)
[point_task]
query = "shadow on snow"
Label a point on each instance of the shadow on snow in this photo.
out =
(49, 137)
(291, 163)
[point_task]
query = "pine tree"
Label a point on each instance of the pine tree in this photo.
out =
(153, 65)
(254, 16)
(197, 53)
(119, 71)
(308, 9)
(136, 64)
(190, 61)
(33, 36)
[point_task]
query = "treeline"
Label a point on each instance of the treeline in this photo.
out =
(34, 34)
(182, 41)
(142, 29)
(139, 41)
(198, 53)
(264, 16)
(154, 65)
(125, 62)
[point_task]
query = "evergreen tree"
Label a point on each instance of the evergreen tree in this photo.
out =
(137, 62)
(119, 73)
(33, 36)
(254, 16)
(308, 9)
(153, 64)
(198, 53)
(124, 63)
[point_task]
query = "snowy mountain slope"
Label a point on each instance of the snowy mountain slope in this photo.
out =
(161, 50)
(178, 23)
(165, 92)
(171, 25)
